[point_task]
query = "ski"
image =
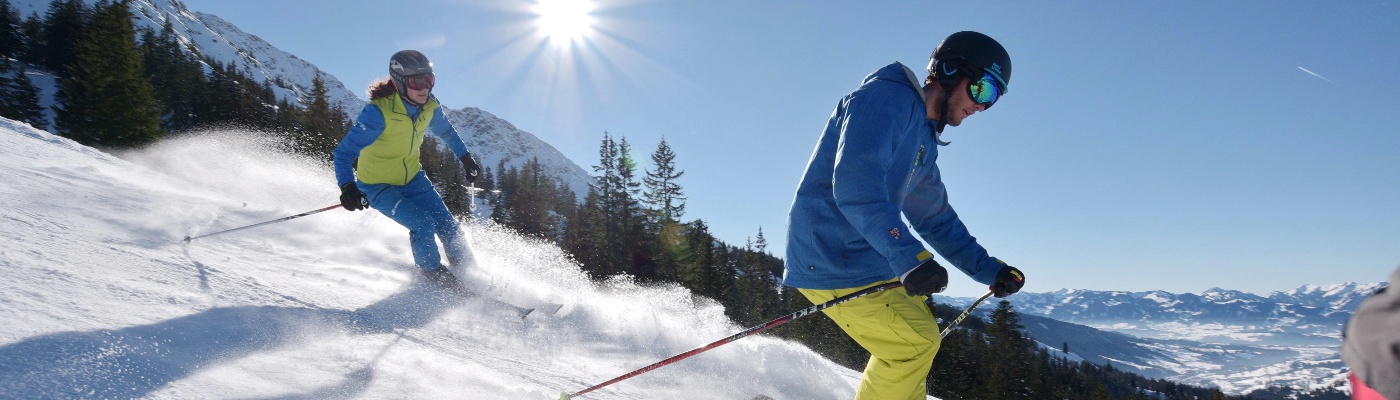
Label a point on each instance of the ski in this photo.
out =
(448, 281)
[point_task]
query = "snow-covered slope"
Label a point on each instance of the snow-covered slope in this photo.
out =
(101, 298)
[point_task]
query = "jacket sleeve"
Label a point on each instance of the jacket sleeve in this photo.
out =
(368, 126)
(872, 123)
(929, 212)
(442, 128)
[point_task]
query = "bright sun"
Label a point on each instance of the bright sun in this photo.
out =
(564, 21)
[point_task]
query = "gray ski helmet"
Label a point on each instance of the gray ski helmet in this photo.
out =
(405, 64)
(969, 53)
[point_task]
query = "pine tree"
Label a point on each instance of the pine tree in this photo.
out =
(32, 30)
(756, 291)
(530, 202)
(19, 99)
(11, 38)
(610, 197)
(702, 269)
(445, 171)
(503, 213)
(324, 125)
(565, 206)
(106, 100)
(669, 248)
(487, 181)
(665, 205)
(631, 223)
(663, 194)
(215, 104)
(64, 28)
(287, 117)
(582, 237)
(496, 182)
(1009, 355)
(176, 77)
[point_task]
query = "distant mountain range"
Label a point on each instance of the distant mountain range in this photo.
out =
(1307, 310)
(1237, 341)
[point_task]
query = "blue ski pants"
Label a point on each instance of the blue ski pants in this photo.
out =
(418, 207)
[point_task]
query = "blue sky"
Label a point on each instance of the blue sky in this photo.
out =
(1178, 146)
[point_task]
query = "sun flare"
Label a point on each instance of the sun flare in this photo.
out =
(564, 21)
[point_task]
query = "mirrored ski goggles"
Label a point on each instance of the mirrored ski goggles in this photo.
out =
(420, 82)
(985, 91)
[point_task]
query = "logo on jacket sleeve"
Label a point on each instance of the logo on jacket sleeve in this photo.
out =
(894, 233)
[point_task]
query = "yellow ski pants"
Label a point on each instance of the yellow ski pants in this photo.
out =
(898, 330)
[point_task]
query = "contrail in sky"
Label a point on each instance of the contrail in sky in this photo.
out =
(1315, 74)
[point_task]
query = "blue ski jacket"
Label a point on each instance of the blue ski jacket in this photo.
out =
(370, 125)
(875, 163)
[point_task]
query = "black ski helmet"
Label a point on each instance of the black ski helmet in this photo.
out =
(967, 54)
(407, 63)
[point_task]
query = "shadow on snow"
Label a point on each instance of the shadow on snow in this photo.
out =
(136, 361)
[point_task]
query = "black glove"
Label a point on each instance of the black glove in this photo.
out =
(352, 198)
(926, 279)
(470, 167)
(1009, 281)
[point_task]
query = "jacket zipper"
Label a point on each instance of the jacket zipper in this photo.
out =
(412, 141)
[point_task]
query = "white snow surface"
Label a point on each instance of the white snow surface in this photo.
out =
(102, 299)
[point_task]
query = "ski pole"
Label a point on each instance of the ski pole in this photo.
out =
(188, 239)
(964, 314)
(754, 330)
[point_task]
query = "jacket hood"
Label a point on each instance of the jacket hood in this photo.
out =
(898, 73)
(901, 74)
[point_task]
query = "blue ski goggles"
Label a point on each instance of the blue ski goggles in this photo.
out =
(985, 91)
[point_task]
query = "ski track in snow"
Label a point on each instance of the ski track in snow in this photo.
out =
(102, 299)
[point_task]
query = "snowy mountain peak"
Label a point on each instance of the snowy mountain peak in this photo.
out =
(1219, 294)
(210, 36)
(1337, 296)
(495, 140)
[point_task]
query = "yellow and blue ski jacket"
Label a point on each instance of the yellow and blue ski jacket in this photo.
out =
(875, 162)
(386, 140)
